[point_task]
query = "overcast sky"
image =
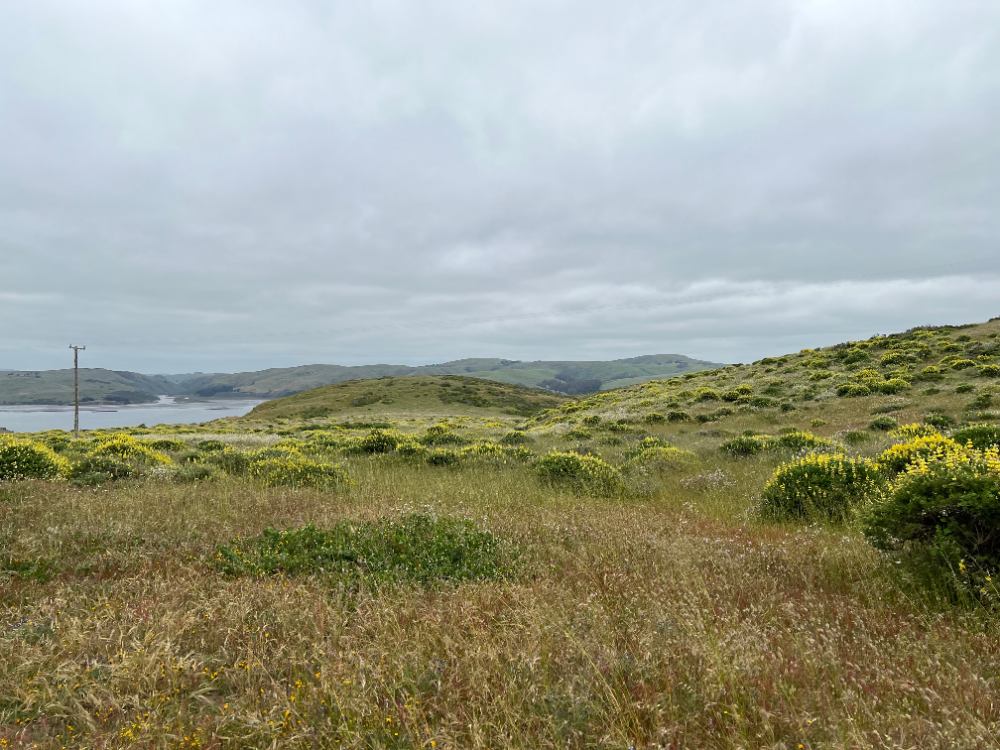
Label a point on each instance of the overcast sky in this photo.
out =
(226, 185)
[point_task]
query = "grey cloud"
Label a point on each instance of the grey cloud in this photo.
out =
(243, 184)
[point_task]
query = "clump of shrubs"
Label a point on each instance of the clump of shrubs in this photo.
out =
(897, 457)
(883, 423)
(379, 441)
(29, 459)
(441, 434)
(416, 548)
(940, 517)
(819, 487)
(128, 449)
(296, 471)
(980, 436)
(588, 475)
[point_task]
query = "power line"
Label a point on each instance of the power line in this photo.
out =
(76, 388)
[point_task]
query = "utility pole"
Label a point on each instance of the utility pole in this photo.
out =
(76, 388)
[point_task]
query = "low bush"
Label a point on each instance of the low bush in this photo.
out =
(379, 441)
(296, 471)
(28, 459)
(897, 457)
(943, 514)
(514, 437)
(659, 459)
(92, 470)
(883, 424)
(414, 549)
(440, 434)
(128, 449)
(746, 445)
(820, 487)
(586, 474)
(980, 436)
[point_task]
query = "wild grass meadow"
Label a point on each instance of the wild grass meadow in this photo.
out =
(797, 553)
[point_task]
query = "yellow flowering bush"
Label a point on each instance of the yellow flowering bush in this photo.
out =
(944, 510)
(820, 486)
(586, 474)
(897, 457)
(28, 459)
(128, 449)
(296, 471)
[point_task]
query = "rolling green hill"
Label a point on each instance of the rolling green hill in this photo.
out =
(428, 394)
(948, 374)
(107, 386)
(55, 386)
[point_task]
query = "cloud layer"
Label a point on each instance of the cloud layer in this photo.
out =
(245, 184)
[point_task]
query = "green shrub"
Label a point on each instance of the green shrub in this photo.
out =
(962, 364)
(892, 386)
(296, 471)
(93, 470)
(799, 440)
(704, 393)
(28, 459)
(945, 512)
(939, 420)
(820, 487)
(982, 401)
(128, 449)
(883, 424)
(230, 460)
(965, 388)
(988, 371)
(654, 418)
(170, 445)
(981, 436)
(411, 449)
(516, 437)
(678, 416)
(659, 459)
(897, 457)
(443, 457)
(210, 446)
(586, 474)
(747, 445)
(416, 548)
(853, 390)
(379, 441)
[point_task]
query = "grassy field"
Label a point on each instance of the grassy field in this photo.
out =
(654, 609)
(426, 395)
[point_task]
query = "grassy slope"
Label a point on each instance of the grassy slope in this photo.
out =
(284, 381)
(675, 619)
(798, 389)
(447, 394)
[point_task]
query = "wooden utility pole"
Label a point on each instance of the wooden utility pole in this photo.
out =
(76, 388)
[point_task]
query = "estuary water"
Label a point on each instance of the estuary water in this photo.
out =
(167, 410)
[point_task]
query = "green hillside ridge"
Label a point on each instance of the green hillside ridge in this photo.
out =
(99, 385)
(440, 394)
(96, 385)
(951, 373)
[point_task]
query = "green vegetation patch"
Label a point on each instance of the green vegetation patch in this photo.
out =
(27, 459)
(820, 487)
(416, 548)
(588, 475)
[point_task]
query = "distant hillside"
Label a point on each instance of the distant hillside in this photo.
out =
(96, 385)
(945, 374)
(416, 394)
(564, 377)
(55, 386)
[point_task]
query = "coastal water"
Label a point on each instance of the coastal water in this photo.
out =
(166, 411)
